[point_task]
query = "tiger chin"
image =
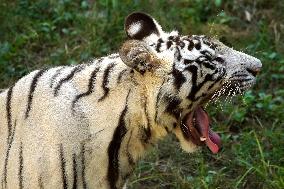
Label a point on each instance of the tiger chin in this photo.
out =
(86, 126)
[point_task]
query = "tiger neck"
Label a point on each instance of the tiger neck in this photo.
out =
(135, 133)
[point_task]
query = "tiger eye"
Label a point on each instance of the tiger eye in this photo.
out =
(219, 59)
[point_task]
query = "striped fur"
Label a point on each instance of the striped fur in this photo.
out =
(86, 126)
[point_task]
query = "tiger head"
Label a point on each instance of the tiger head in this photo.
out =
(194, 69)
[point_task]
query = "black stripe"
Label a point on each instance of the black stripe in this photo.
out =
(146, 114)
(181, 44)
(53, 78)
(207, 78)
(239, 80)
(190, 45)
(21, 160)
(159, 44)
(169, 44)
(171, 37)
(197, 45)
(91, 86)
(200, 59)
(172, 105)
(120, 76)
(8, 112)
(205, 62)
(67, 78)
(10, 134)
(158, 100)
(113, 150)
(201, 96)
(196, 37)
(146, 136)
(208, 65)
(146, 133)
(167, 129)
(106, 81)
(114, 147)
(129, 156)
(10, 141)
(32, 90)
(220, 77)
(214, 46)
(206, 54)
(83, 166)
(176, 39)
(187, 61)
(62, 167)
(205, 40)
(212, 84)
(179, 78)
(219, 59)
(193, 70)
(40, 183)
(238, 75)
(177, 54)
(74, 172)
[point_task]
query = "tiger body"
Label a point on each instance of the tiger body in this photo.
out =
(71, 134)
(86, 126)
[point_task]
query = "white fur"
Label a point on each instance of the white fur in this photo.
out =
(134, 28)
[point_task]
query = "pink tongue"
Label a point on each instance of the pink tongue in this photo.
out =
(213, 140)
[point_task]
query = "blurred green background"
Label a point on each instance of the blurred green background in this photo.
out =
(45, 33)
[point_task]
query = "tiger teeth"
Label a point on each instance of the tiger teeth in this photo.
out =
(202, 138)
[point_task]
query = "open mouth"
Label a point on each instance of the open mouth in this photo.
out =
(196, 128)
(195, 125)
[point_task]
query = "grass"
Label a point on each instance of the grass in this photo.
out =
(45, 33)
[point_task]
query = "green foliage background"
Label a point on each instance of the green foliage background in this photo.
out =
(42, 33)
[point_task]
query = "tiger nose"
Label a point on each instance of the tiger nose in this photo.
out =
(254, 67)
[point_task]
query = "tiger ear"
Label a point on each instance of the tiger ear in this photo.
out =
(137, 55)
(139, 25)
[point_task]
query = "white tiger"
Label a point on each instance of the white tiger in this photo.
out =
(86, 126)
